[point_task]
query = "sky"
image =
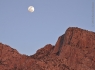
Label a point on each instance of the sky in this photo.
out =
(27, 32)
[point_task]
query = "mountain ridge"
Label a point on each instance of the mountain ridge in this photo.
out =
(74, 50)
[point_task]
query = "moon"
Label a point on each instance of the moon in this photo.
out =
(31, 9)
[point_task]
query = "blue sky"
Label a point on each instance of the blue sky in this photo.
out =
(27, 32)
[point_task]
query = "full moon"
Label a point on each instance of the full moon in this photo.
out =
(31, 9)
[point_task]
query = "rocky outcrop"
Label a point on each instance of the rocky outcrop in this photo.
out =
(74, 50)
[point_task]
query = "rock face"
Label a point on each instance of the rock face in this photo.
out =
(74, 50)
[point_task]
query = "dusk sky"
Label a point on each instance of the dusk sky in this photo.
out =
(27, 32)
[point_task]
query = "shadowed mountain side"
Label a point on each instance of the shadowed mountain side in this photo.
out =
(74, 50)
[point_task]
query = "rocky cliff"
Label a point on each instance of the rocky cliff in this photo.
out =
(74, 50)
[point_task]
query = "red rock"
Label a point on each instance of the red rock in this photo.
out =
(74, 50)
